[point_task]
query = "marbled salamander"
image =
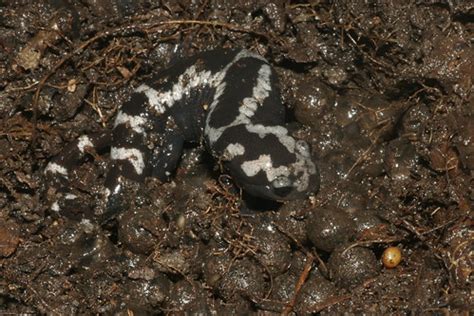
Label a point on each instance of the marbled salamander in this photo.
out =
(229, 99)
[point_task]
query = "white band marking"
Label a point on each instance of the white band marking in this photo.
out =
(56, 168)
(133, 155)
(136, 122)
(84, 142)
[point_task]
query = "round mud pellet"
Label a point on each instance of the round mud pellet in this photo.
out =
(459, 240)
(353, 199)
(140, 230)
(148, 292)
(315, 291)
(189, 298)
(336, 76)
(414, 121)
(214, 267)
(313, 98)
(284, 287)
(290, 220)
(329, 227)
(352, 266)
(365, 219)
(274, 251)
(401, 159)
(244, 277)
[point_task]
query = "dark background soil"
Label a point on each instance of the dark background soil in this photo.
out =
(382, 92)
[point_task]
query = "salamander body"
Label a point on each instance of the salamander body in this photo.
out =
(227, 99)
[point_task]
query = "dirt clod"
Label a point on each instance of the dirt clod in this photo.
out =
(352, 266)
(328, 228)
(9, 238)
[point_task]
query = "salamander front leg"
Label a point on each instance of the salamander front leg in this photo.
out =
(128, 163)
(136, 164)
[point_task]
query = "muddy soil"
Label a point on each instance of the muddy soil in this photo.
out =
(382, 91)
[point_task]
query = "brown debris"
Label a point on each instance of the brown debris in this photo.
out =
(383, 93)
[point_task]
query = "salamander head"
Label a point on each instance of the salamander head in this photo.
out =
(277, 167)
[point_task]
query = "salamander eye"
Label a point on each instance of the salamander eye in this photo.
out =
(282, 186)
(303, 148)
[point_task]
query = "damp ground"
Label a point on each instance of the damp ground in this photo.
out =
(382, 93)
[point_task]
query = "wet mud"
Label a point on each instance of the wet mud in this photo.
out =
(382, 93)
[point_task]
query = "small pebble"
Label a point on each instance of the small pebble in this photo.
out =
(391, 257)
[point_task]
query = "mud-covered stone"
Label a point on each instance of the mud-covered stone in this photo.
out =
(401, 159)
(274, 251)
(329, 227)
(140, 230)
(352, 266)
(315, 291)
(243, 278)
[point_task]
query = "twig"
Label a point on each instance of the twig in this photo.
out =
(301, 280)
(327, 303)
(229, 26)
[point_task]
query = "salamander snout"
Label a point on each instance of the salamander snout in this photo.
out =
(285, 173)
(301, 176)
